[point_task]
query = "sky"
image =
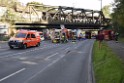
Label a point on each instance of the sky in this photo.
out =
(85, 4)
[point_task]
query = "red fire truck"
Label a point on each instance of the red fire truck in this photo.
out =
(108, 34)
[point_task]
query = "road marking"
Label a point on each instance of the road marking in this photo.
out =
(12, 74)
(44, 69)
(80, 52)
(67, 48)
(90, 76)
(47, 58)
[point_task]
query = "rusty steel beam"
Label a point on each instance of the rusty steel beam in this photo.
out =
(69, 15)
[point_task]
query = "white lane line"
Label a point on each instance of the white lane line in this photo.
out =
(49, 65)
(12, 74)
(51, 56)
(67, 48)
(81, 52)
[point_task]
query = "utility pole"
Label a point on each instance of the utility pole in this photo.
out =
(101, 5)
(101, 11)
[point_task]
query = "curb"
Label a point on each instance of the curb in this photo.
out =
(92, 68)
(91, 76)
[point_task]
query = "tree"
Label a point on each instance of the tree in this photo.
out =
(8, 3)
(10, 15)
(106, 11)
(118, 14)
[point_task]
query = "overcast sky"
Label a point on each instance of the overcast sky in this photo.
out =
(86, 4)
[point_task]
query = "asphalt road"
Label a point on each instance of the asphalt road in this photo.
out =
(49, 63)
(118, 48)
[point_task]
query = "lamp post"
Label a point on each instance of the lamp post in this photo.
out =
(101, 5)
(101, 11)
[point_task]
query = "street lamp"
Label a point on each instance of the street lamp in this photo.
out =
(101, 4)
(101, 11)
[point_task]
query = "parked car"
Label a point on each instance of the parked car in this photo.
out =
(24, 39)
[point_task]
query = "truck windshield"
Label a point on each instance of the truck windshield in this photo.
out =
(20, 35)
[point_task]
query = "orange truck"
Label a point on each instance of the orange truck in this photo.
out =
(24, 39)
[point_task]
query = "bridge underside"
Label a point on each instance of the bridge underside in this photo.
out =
(57, 26)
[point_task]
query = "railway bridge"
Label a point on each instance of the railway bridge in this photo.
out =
(44, 16)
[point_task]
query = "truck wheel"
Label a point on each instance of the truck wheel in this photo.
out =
(38, 44)
(10, 47)
(24, 46)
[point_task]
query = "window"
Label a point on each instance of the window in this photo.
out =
(20, 35)
(28, 36)
(33, 36)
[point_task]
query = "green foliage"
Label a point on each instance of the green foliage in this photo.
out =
(12, 33)
(121, 39)
(106, 11)
(10, 15)
(118, 14)
(108, 67)
(4, 38)
(9, 3)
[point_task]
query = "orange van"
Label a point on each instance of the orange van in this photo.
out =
(24, 39)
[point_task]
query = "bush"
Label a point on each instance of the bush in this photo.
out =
(4, 38)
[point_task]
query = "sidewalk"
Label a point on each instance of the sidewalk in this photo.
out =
(118, 48)
(2, 42)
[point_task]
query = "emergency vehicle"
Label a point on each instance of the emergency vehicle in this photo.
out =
(108, 34)
(60, 36)
(24, 39)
